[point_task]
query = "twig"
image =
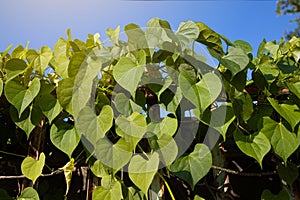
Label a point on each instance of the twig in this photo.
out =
(229, 171)
(42, 175)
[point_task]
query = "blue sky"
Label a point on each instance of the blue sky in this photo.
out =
(43, 22)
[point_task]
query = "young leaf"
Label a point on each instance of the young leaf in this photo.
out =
(142, 171)
(19, 96)
(115, 155)
(187, 33)
(68, 168)
(94, 127)
(64, 137)
(203, 93)
(32, 168)
(282, 140)
(134, 125)
(196, 164)
(29, 194)
(255, 145)
(112, 193)
(126, 68)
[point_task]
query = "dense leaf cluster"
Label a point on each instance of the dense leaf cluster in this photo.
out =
(110, 97)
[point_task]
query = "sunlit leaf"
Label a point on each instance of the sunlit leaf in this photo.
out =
(142, 171)
(32, 168)
(194, 166)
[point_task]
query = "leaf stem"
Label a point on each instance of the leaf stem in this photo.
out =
(145, 154)
(12, 154)
(167, 185)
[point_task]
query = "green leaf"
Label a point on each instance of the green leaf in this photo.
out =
(134, 194)
(255, 145)
(94, 127)
(19, 96)
(64, 93)
(167, 126)
(294, 88)
(50, 106)
(19, 52)
(112, 193)
(24, 122)
(128, 74)
(136, 37)
(268, 195)
(272, 48)
(282, 140)
(64, 137)
(269, 70)
(202, 93)
(99, 169)
(75, 63)
(289, 173)
(243, 106)
(290, 112)
(236, 60)
(1, 87)
(134, 125)
(115, 155)
(219, 118)
(32, 168)
(125, 105)
(14, 67)
(68, 169)
(198, 198)
(245, 46)
(142, 171)
(187, 33)
(194, 166)
(113, 34)
(210, 38)
(29, 194)
(42, 60)
(166, 147)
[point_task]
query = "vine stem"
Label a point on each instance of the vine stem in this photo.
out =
(167, 185)
(12, 154)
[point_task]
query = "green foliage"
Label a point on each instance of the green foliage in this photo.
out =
(107, 97)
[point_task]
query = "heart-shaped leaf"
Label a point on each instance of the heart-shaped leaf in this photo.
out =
(194, 166)
(112, 193)
(64, 93)
(142, 171)
(202, 93)
(282, 140)
(128, 74)
(94, 127)
(268, 195)
(64, 137)
(167, 126)
(255, 145)
(99, 169)
(14, 67)
(290, 112)
(24, 122)
(289, 173)
(236, 60)
(29, 194)
(32, 168)
(50, 106)
(41, 60)
(187, 33)
(19, 96)
(115, 155)
(219, 118)
(134, 125)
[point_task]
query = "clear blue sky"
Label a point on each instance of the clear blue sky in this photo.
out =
(42, 22)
